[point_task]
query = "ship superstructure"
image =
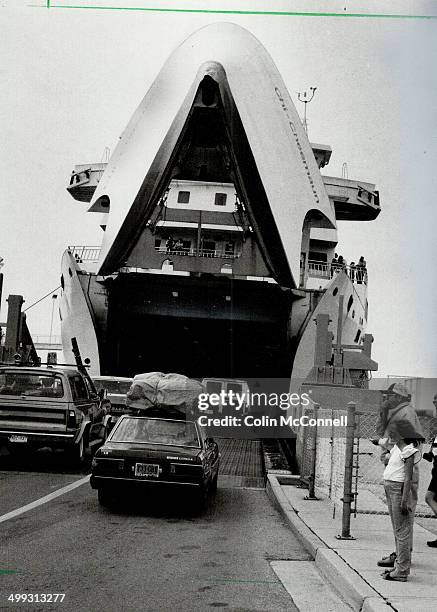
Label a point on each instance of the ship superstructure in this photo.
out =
(219, 229)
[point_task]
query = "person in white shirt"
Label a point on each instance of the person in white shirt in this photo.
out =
(398, 420)
(401, 501)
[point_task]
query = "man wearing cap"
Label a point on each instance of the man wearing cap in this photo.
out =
(431, 494)
(402, 433)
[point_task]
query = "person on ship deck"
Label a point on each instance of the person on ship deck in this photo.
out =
(169, 244)
(361, 270)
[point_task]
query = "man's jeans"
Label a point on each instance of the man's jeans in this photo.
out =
(402, 524)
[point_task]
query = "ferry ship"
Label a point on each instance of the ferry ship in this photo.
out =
(219, 229)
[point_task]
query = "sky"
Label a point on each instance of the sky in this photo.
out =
(70, 80)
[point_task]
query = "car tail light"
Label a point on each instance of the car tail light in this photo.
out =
(71, 418)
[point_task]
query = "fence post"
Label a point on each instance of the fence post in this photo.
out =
(312, 478)
(348, 468)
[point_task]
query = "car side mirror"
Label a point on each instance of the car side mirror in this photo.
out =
(102, 394)
(209, 441)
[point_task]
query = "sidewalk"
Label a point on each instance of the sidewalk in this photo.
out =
(350, 565)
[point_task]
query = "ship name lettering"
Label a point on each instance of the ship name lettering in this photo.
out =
(299, 146)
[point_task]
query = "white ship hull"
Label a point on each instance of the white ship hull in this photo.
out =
(216, 157)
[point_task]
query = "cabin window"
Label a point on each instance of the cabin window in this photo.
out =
(335, 291)
(157, 243)
(183, 197)
(349, 303)
(62, 281)
(220, 199)
(357, 337)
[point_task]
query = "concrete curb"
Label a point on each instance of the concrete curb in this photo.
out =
(345, 580)
(354, 589)
(376, 604)
(309, 540)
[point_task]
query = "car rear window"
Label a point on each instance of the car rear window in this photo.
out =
(120, 387)
(78, 388)
(235, 387)
(35, 385)
(213, 386)
(156, 431)
(124, 387)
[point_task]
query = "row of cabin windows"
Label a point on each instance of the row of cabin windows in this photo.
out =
(219, 198)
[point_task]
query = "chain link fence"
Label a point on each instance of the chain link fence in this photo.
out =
(330, 456)
(320, 450)
(321, 457)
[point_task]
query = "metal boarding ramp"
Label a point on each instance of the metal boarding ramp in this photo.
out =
(241, 464)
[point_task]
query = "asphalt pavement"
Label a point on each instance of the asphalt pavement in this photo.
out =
(149, 555)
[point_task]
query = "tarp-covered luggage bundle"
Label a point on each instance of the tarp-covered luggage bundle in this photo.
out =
(163, 391)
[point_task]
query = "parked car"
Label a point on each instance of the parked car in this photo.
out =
(54, 407)
(115, 389)
(152, 452)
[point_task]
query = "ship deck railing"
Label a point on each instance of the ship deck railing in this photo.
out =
(85, 253)
(189, 252)
(319, 269)
(91, 253)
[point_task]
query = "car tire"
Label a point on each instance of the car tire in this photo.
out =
(77, 453)
(201, 498)
(16, 452)
(214, 484)
(104, 496)
(94, 447)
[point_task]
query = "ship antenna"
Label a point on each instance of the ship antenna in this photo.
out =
(305, 98)
(344, 171)
(344, 175)
(104, 159)
(106, 155)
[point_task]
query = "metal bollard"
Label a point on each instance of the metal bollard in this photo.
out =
(312, 478)
(348, 469)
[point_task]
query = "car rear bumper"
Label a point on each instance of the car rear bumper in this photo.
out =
(40, 438)
(97, 481)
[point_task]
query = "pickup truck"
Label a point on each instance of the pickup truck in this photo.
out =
(50, 407)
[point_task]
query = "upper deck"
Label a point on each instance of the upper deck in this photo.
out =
(353, 200)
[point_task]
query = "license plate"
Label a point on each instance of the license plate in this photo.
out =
(22, 439)
(147, 470)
